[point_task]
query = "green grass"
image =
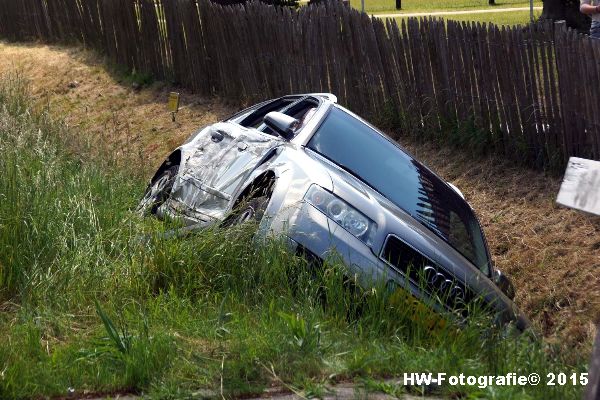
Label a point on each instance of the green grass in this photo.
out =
(94, 298)
(503, 18)
(414, 6)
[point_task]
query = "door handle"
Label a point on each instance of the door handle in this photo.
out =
(216, 136)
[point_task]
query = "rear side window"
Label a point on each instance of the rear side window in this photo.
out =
(255, 118)
(302, 110)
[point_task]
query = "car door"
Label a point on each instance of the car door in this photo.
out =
(247, 144)
(222, 157)
(254, 140)
(244, 150)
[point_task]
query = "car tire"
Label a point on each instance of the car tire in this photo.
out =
(251, 210)
(158, 191)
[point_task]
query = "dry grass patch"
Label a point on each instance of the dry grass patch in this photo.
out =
(551, 253)
(76, 85)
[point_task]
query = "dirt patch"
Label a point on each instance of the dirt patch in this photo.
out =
(551, 253)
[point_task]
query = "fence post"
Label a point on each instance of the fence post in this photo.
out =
(592, 391)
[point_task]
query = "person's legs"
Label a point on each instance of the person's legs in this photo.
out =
(595, 30)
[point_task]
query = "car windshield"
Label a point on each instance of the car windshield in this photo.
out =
(377, 161)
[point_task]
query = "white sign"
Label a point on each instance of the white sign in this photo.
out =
(580, 188)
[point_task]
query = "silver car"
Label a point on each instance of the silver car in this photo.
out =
(309, 169)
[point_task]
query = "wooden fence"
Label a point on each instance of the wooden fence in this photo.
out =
(531, 93)
(592, 391)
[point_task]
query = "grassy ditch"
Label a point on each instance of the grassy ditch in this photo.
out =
(95, 299)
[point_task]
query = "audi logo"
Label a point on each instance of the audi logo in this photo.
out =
(439, 282)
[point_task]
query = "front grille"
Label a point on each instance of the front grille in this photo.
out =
(425, 273)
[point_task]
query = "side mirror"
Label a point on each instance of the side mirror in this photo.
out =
(504, 284)
(457, 190)
(283, 124)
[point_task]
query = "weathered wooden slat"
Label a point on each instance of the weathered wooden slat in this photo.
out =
(498, 64)
(594, 133)
(592, 391)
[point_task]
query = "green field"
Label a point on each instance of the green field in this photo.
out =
(502, 18)
(96, 299)
(415, 6)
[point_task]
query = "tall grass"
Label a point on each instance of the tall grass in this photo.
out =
(56, 209)
(96, 299)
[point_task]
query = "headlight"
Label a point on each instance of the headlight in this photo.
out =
(342, 213)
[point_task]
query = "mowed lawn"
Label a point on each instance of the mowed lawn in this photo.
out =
(500, 18)
(416, 6)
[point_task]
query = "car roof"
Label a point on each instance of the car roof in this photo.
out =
(327, 96)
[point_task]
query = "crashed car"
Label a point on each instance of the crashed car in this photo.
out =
(325, 179)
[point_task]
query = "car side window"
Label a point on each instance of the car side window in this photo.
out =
(303, 110)
(255, 118)
(240, 115)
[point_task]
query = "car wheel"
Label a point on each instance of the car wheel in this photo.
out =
(158, 191)
(251, 210)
